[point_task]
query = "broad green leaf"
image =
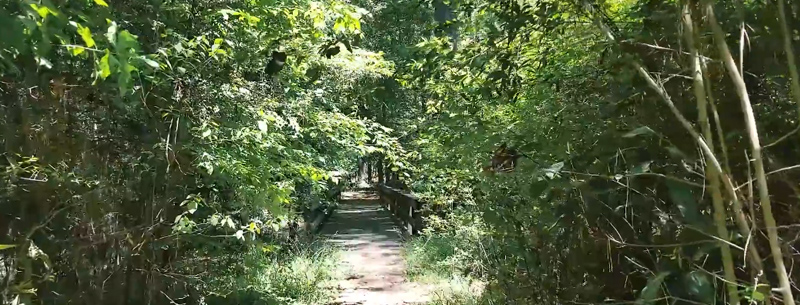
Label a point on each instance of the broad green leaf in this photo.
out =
(152, 63)
(101, 3)
(105, 65)
(554, 169)
(126, 41)
(653, 288)
(338, 25)
(43, 11)
(683, 198)
(757, 296)
(77, 51)
(254, 228)
(86, 35)
(191, 206)
(3, 247)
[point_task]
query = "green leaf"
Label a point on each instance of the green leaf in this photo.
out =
(191, 206)
(262, 125)
(642, 168)
(126, 41)
(77, 51)
(152, 63)
(105, 65)
(757, 296)
(229, 222)
(86, 35)
(639, 131)
(683, 198)
(553, 169)
(101, 3)
(3, 247)
(338, 25)
(538, 187)
(43, 11)
(699, 286)
(653, 288)
(44, 62)
(111, 34)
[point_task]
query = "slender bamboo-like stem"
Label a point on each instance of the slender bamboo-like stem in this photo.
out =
(755, 145)
(717, 122)
(742, 223)
(711, 174)
(662, 93)
(789, 50)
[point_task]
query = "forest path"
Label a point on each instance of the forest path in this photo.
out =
(372, 247)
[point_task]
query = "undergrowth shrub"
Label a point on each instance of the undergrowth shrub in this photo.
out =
(305, 275)
(450, 255)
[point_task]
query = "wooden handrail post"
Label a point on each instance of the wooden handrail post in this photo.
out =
(404, 207)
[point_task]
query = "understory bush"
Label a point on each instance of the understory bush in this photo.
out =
(304, 275)
(447, 257)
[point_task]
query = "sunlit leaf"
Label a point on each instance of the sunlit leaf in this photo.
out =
(262, 125)
(105, 65)
(86, 35)
(43, 11)
(229, 222)
(44, 62)
(3, 247)
(101, 3)
(757, 296)
(152, 63)
(111, 33)
(191, 207)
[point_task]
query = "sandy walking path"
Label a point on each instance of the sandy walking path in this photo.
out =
(372, 251)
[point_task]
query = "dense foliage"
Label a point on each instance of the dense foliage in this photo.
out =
(158, 151)
(644, 176)
(153, 148)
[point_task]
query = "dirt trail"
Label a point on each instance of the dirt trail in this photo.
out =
(372, 251)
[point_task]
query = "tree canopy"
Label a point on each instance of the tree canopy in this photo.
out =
(151, 147)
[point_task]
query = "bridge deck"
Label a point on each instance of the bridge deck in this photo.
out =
(372, 251)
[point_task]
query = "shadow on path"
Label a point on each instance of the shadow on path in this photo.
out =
(373, 246)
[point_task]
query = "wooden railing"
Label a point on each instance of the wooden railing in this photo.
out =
(406, 208)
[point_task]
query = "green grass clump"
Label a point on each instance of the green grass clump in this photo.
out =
(304, 276)
(436, 260)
